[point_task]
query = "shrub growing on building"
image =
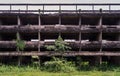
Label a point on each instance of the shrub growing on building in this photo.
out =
(59, 64)
(60, 45)
(20, 44)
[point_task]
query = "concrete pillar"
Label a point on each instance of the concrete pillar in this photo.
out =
(1, 24)
(18, 20)
(60, 18)
(100, 27)
(118, 34)
(80, 48)
(99, 58)
(59, 15)
(39, 36)
(20, 57)
(2, 57)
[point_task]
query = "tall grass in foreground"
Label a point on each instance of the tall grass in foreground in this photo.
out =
(8, 70)
(11, 68)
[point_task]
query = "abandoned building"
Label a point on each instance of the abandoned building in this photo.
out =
(93, 34)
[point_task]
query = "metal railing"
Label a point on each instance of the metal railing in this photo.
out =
(28, 7)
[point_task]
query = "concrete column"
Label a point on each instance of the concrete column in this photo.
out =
(100, 27)
(20, 57)
(60, 20)
(2, 57)
(119, 33)
(18, 21)
(1, 24)
(59, 15)
(39, 37)
(80, 33)
(99, 58)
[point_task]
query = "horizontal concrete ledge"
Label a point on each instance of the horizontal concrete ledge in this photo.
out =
(58, 28)
(60, 54)
(73, 44)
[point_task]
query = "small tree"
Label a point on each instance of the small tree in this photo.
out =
(60, 45)
(57, 64)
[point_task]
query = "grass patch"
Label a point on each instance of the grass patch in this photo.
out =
(36, 71)
(42, 73)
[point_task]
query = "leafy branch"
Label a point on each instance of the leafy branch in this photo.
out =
(60, 45)
(20, 44)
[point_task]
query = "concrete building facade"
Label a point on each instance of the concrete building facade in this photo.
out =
(94, 35)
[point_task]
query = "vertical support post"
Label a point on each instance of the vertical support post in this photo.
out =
(43, 9)
(60, 18)
(39, 22)
(109, 8)
(39, 37)
(26, 8)
(18, 20)
(98, 60)
(1, 57)
(59, 14)
(93, 8)
(19, 57)
(100, 36)
(39, 19)
(59, 8)
(119, 33)
(76, 8)
(100, 25)
(80, 30)
(19, 23)
(10, 7)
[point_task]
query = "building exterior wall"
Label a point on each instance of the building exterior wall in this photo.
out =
(93, 35)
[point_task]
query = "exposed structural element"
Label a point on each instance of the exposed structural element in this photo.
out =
(92, 34)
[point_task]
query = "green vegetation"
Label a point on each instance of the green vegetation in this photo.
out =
(20, 44)
(60, 45)
(35, 71)
(89, 73)
(59, 65)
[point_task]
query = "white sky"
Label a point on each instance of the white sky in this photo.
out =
(59, 1)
